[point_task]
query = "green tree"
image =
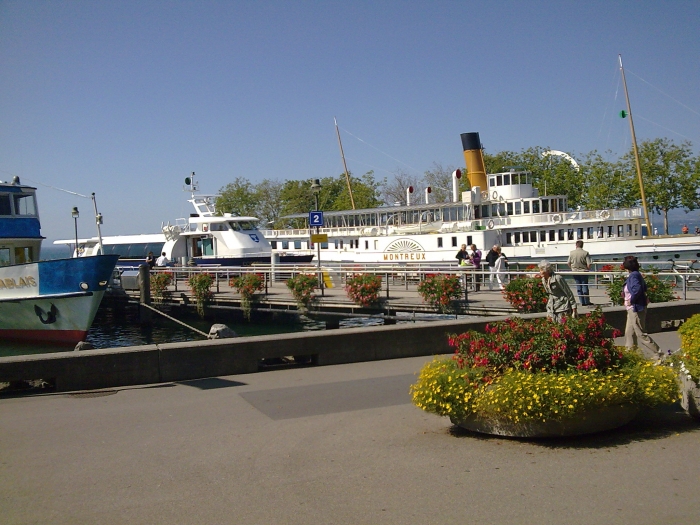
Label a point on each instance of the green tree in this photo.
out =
(238, 198)
(667, 171)
(608, 184)
(268, 194)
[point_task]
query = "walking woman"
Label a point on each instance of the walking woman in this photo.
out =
(635, 295)
(561, 302)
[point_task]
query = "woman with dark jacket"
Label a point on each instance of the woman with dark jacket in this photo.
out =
(634, 293)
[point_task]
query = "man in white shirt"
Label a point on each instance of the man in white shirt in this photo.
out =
(162, 260)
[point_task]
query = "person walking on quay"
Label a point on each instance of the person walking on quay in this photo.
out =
(475, 258)
(635, 295)
(580, 261)
(150, 260)
(500, 268)
(491, 259)
(561, 302)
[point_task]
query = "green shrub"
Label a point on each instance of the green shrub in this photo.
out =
(246, 285)
(363, 289)
(302, 287)
(658, 290)
(526, 294)
(439, 290)
(200, 284)
(159, 286)
(689, 355)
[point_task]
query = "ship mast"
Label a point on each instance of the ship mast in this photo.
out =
(636, 152)
(342, 155)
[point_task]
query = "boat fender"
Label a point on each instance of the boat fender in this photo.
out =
(494, 195)
(556, 218)
(490, 223)
(605, 214)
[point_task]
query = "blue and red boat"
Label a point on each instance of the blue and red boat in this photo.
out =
(53, 300)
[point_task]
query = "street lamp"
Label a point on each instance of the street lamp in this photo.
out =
(316, 189)
(75, 214)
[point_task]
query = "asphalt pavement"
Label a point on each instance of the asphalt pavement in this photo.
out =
(337, 444)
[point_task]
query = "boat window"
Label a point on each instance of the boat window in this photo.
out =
(506, 180)
(5, 208)
(589, 233)
(545, 206)
(499, 180)
(636, 230)
(570, 234)
(600, 232)
(24, 204)
(610, 231)
(629, 230)
(501, 209)
(561, 235)
(517, 237)
(219, 227)
(5, 256)
(526, 236)
(535, 206)
(620, 230)
(23, 255)
(366, 245)
(562, 206)
(518, 208)
(242, 225)
(509, 238)
(285, 245)
(454, 241)
(297, 245)
(207, 246)
(324, 245)
(551, 236)
(485, 211)
(492, 182)
(439, 242)
(273, 245)
(469, 240)
(543, 235)
(526, 207)
(579, 233)
(341, 244)
(509, 208)
(533, 236)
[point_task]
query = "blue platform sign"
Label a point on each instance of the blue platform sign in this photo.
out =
(316, 219)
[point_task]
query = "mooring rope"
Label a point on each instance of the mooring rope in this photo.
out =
(173, 319)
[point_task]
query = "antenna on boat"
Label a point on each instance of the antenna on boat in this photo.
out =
(342, 155)
(634, 147)
(192, 185)
(98, 222)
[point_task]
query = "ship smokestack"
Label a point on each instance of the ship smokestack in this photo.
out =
(474, 157)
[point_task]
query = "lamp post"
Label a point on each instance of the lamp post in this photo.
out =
(316, 189)
(75, 214)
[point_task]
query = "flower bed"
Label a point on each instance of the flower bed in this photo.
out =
(687, 360)
(302, 287)
(246, 285)
(538, 378)
(526, 294)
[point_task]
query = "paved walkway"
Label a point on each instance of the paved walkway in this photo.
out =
(337, 444)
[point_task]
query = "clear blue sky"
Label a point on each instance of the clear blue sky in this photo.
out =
(126, 98)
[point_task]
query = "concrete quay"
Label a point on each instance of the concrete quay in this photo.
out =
(337, 444)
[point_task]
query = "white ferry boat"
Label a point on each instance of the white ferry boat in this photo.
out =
(501, 208)
(52, 300)
(203, 239)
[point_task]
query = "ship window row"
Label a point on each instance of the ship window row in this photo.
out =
(133, 250)
(508, 179)
(22, 204)
(520, 207)
(572, 234)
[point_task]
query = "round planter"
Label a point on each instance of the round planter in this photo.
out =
(593, 420)
(691, 395)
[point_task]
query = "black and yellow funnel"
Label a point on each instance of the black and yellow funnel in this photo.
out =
(474, 157)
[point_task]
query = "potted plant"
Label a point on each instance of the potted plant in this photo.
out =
(363, 289)
(302, 287)
(200, 284)
(538, 378)
(687, 361)
(246, 285)
(439, 290)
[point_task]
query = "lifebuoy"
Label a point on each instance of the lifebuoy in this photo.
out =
(605, 214)
(556, 218)
(494, 195)
(490, 224)
(484, 195)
